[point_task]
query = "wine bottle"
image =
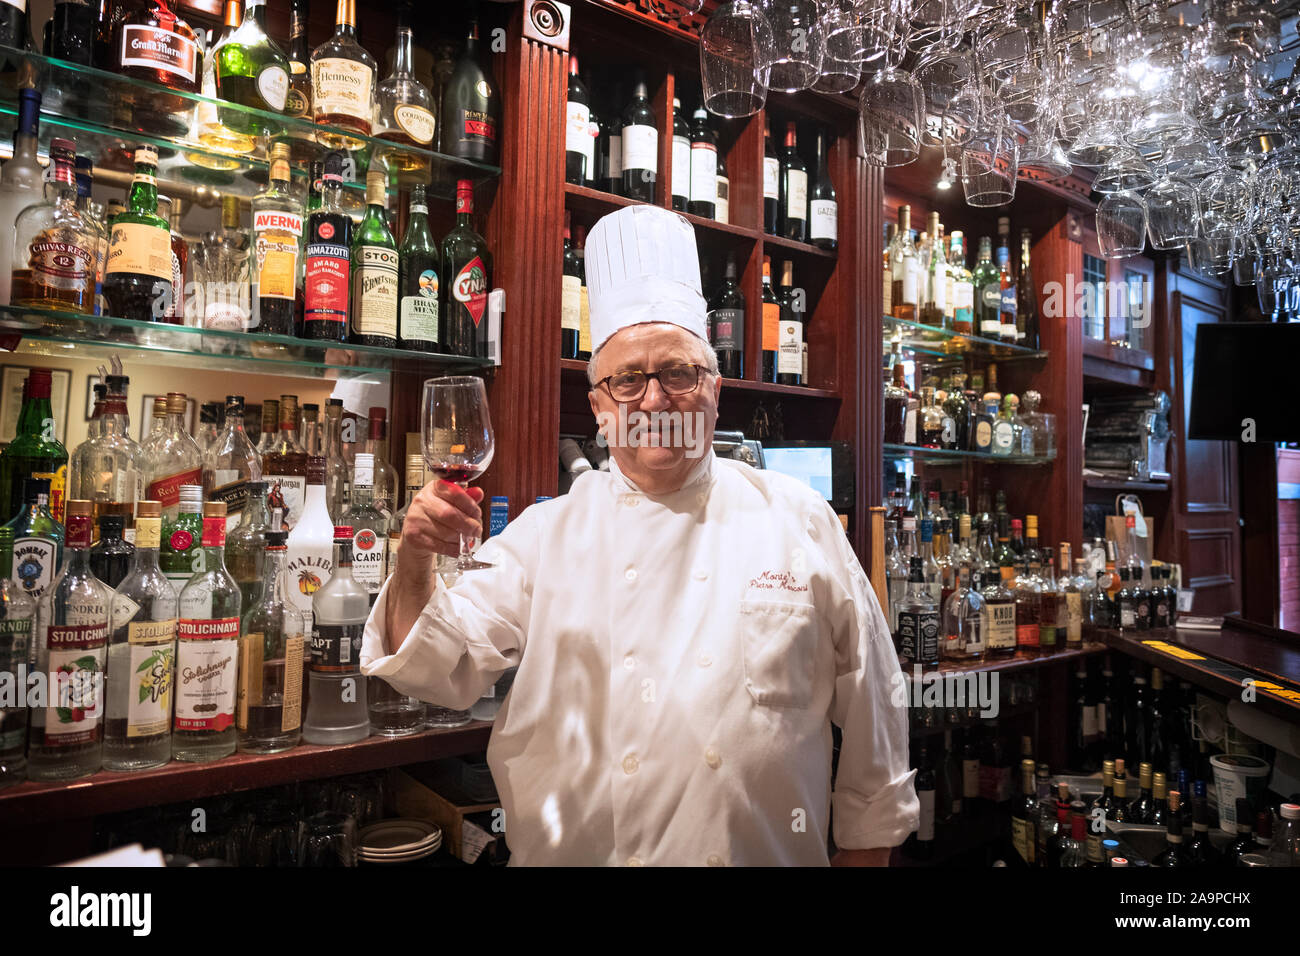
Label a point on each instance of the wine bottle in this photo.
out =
(682, 183)
(727, 324)
(613, 182)
(570, 296)
(789, 361)
(13, 25)
(770, 323)
(640, 146)
(471, 108)
(374, 270)
(579, 144)
(823, 210)
(467, 266)
(794, 190)
(704, 168)
(771, 183)
(417, 281)
(722, 210)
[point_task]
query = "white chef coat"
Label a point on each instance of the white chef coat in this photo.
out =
(681, 658)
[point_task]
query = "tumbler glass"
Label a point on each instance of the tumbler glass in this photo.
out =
(1121, 225)
(329, 839)
(890, 108)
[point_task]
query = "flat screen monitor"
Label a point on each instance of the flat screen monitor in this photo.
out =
(826, 467)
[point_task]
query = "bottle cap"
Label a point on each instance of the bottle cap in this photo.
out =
(342, 532)
(146, 155)
(214, 509)
(177, 403)
(1291, 811)
(148, 509)
(191, 495)
(275, 539)
(79, 507)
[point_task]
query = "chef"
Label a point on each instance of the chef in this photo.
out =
(686, 628)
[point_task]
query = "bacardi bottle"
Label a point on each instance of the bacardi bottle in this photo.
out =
(336, 708)
(369, 528)
(142, 656)
(17, 614)
(311, 544)
(207, 647)
(271, 661)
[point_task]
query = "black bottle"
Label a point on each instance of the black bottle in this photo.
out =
(727, 324)
(110, 556)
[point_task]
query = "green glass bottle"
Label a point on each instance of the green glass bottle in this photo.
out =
(138, 271)
(374, 270)
(251, 71)
(988, 292)
(34, 452)
(181, 555)
(418, 281)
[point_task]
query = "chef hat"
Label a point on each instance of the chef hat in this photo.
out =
(642, 267)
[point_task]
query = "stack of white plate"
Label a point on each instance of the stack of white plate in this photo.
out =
(398, 841)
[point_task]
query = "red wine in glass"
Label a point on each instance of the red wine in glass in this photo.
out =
(458, 473)
(456, 435)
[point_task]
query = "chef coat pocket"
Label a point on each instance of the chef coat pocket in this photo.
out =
(779, 644)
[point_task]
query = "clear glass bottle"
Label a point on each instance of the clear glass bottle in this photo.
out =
(66, 736)
(1000, 615)
(173, 460)
(271, 651)
(337, 711)
(107, 468)
(343, 82)
(270, 426)
(38, 540)
(142, 656)
(404, 109)
(21, 179)
(221, 265)
(246, 546)
(369, 528)
(56, 250)
(963, 622)
(311, 544)
(230, 463)
(207, 651)
(338, 487)
(284, 467)
(17, 617)
(896, 572)
(385, 474)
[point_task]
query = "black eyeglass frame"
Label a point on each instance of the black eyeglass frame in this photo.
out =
(700, 372)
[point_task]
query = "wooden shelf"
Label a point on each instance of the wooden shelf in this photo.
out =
(1109, 364)
(1021, 660)
(803, 247)
(1120, 484)
(109, 792)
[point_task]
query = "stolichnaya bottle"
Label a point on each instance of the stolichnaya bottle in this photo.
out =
(207, 649)
(141, 656)
(66, 736)
(336, 706)
(271, 661)
(17, 615)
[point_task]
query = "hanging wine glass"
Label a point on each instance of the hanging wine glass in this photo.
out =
(890, 108)
(735, 45)
(798, 44)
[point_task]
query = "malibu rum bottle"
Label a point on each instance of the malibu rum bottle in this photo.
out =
(138, 271)
(467, 266)
(343, 82)
(271, 661)
(207, 648)
(374, 270)
(417, 281)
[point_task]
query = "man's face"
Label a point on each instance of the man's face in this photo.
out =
(657, 448)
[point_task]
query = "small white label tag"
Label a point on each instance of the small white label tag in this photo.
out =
(1185, 600)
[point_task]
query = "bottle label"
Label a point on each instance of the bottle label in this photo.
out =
(641, 148)
(1089, 722)
(137, 248)
(177, 304)
(62, 265)
(252, 686)
(570, 302)
(1001, 625)
(771, 326)
(983, 435)
(416, 122)
(342, 86)
(970, 779)
(1022, 838)
(206, 666)
(275, 247)
(368, 559)
(796, 194)
(336, 647)
(75, 708)
(918, 635)
(925, 832)
(375, 292)
(938, 291)
(771, 178)
(15, 643)
(789, 357)
(722, 205)
(154, 48)
(577, 132)
(615, 155)
(1003, 435)
(1127, 616)
(1026, 635)
(1007, 303)
(326, 283)
(273, 84)
(584, 321)
(287, 493)
(151, 673)
(909, 427)
(728, 329)
(911, 280)
(308, 573)
(1073, 617)
(704, 172)
(298, 105)
(682, 182)
(823, 219)
(167, 490)
(478, 124)
(418, 314)
(234, 492)
(469, 288)
(33, 567)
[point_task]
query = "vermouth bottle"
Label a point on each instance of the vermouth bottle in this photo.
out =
(369, 528)
(404, 109)
(374, 270)
(417, 281)
(343, 82)
(230, 463)
(329, 258)
(66, 737)
(471, 108)
(138, 271)
(207, 647)
(277, 248)
(467, 268)
(173, 459)
(336, 709)
(271, 661)
(17, 614)
(141, 656)
(253, 72)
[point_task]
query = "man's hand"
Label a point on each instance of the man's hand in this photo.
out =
(874, 857)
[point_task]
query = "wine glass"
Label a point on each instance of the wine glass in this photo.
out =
(456, 434)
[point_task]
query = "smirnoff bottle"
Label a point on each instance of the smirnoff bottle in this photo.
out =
(207, 648)
(230, 463)
(17, 613)
(71, 634)
(311, 544)
(142, 656)
(172, 461)
(336, 706)
(369, 528)
(271, 661)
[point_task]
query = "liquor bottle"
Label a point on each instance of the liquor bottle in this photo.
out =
(172, 458)
(1119, 812)
(277, 248)
(1029, 599)
(794, 190)
(22, 177)
(771, 183)
(1164, 802)
(340, 609)
(207, 643)
(374, 270)
(369, 528)
(934, 295)
(471, 108)
(338, 481)
(570, 296)
(13, 25)
(252, 71)
(209, 425)
(1049, 608)
(110, 556)
(704, 155)
(55, 250)
(284, 468)
(34, 452)
(905, 273)
(417, 281)
(297, 103)
(722, 206)
(270, 425)
(17, 616)
(887, 272)
(612, 124)
(1006, 297)
(823, 210)
(230, 463)
(175, 314)
(309, 564)
(579, 144)
(923, 847)
(1106, 800)
(640, 134)
(404, 109)
(343, 82)
(727, 324)
(1143, 806)
(1072, 854)
(1244, 842)
(1024, 815)
(141, 656)
(246, 547)
(1026, 298)
(181, 552)
(272, 643)
(963, 616)
(789, 357)
(329, 256)
(467, 268)
(37, 540)
(1126, 603)
(970, 774)
(385, 478)
(153, 43)
(584, 302)
(918, 620)
(138, 271)
(771, 323)
(66, 735)
(681, 183)
(209, 130)
(1200, 851)
(988, 292)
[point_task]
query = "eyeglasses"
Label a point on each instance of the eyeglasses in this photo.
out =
(630, 384)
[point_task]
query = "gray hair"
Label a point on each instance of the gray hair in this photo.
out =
(705, 357)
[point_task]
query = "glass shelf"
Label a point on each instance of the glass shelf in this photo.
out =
(46, 332)
(945, 343)
(940, 456)
(108, 114)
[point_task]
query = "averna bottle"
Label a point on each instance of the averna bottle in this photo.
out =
(467, 268)
(336, 708)
(471, 108)
(277, 248)
(17, 614)
(141, 656)
(138, 271)
(66, 736)
(417, 281)
(271, 660)
(207, 647)
(374, 270)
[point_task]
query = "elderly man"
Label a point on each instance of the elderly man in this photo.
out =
(686, 628)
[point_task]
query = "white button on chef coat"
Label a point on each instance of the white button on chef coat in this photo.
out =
(794, 644)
